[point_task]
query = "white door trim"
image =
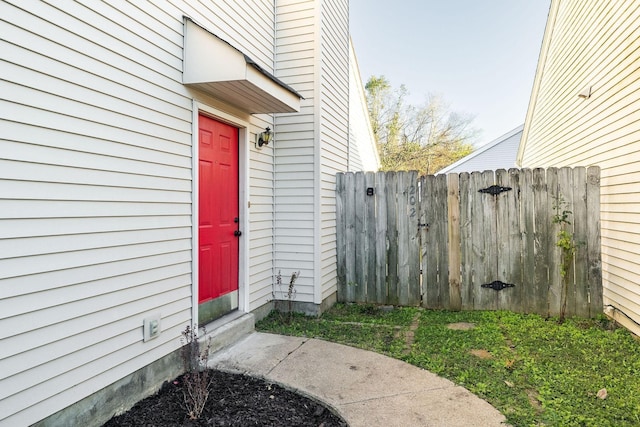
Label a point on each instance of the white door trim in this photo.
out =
(243, 201)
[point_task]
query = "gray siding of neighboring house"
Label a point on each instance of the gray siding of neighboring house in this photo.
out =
(498, 154)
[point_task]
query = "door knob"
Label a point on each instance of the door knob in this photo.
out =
(237, 233)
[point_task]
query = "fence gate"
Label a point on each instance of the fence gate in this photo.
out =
(479, 241)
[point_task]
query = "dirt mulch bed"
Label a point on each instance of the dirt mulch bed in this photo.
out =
(234, 400)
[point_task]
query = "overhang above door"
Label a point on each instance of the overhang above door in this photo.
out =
(215, 67)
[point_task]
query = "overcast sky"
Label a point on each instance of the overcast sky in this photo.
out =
(479, 55)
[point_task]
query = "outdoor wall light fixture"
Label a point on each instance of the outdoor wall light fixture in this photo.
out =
(264, 138)
(585, 93)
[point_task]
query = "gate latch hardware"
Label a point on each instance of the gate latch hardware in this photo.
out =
(494, 190)
(497, 285)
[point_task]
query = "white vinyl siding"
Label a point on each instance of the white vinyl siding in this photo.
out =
(363, 151)
(312, 53)
(96, 195)
(595, 44)
(334, 130)
(295, 146)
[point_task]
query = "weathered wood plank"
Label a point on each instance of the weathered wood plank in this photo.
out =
(414, 294)
(555, 284)
(466, 243)
(528, 245)
(442, 227)
(453, 231)
(361, 239)
(540, 301)
(403, 238)
(350, 244)
(392, 234)
(341, 255)
(511, 298)
(423, 204)
(429, 266)
(593, 242)
(581, 303)
(501, 237)
(381, 238)
(478, 235)
(567, 288)
(370, 238)
(407, 236)
(488, 297)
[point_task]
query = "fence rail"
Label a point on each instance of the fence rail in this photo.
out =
(455, 242)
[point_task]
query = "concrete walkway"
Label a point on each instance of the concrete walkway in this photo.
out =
(365, 388)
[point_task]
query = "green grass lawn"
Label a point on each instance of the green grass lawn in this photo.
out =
(536, 371)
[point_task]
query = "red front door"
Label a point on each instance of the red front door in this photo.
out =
(218, 211)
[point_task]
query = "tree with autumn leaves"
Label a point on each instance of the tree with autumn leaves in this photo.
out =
(425, 138)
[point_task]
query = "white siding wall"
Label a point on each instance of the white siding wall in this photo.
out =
(312, 40)
(295, 146)
(95, 202)
(363, 152)
(595, 44)
(334, 131)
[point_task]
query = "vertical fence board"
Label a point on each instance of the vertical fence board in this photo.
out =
(350, 245)
(361, 249)
(540, 303)
(455, 257)
(442, 222)
(555, 284)
(488, 297)
(466, 243)
(381, 238)
(392, 234)
(568, 290)
(581, 304)
(528, 244)
(502, 238)
(403, 238)
(369, 209)
(593, 242)
(511, 298)
(478, 234)
(429, 266)
(423, 223)
(414, 294)
(407, 237)
(341, 235)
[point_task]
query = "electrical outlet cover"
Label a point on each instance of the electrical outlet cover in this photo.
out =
(151, 327)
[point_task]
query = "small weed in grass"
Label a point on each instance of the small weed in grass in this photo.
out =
(534, 370)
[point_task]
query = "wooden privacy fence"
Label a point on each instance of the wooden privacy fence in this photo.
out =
(479, 241)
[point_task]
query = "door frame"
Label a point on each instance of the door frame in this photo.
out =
(243, 202)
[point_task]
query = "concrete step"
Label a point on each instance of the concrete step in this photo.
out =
(228, 329)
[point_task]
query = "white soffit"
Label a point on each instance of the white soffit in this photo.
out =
(217, 68)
